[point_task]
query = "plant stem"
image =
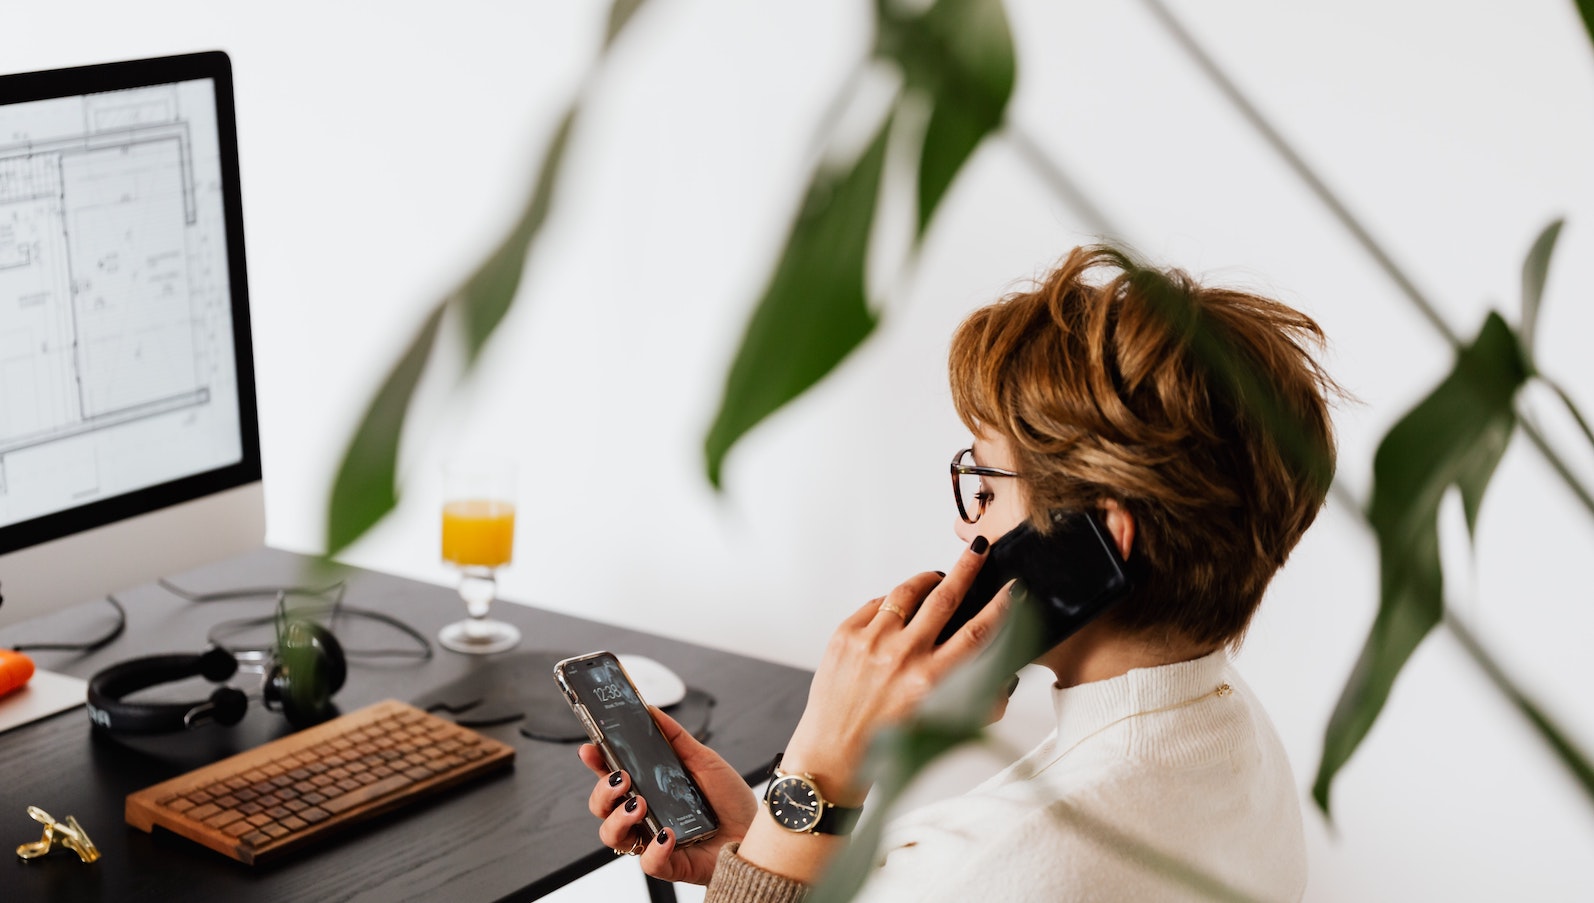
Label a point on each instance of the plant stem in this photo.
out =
(1559, 466)
(1097, 219)
(1124, 843)
(1340, 494)
(1570, 407)
(1070, 193)
(1568, 753)
(1065, 188)
(1297, 164)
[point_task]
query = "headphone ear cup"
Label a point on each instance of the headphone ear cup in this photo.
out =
(310, 668)
(217, 664)
(336, 664)
(228, 705)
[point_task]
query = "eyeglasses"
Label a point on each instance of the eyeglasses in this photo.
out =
(968, 484)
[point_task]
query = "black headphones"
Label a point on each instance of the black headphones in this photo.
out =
(302, 672)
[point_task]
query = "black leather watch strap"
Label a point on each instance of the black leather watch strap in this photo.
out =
(837, 820)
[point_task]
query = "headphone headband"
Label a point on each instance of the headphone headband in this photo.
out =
(305, 671)
(106, 689)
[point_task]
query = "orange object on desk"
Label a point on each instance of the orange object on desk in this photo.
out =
(478, 532)
(15, 670)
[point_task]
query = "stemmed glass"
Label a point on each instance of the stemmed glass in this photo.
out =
(479, 538)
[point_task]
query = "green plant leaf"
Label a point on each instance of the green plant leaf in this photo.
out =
(489, 291)
(959, 55)
(1535, 270)
(366, 486)
(1585, 9)
(815, 310)
(1453, 437)
(908, 751)
(960, 704)
(1478, 465)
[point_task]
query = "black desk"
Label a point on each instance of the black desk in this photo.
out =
(516, 835)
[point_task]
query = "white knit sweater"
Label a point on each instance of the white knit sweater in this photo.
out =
(1161, 756)
(1147, 772)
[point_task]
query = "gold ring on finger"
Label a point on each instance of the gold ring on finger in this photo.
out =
(638, 844)
(894, 609)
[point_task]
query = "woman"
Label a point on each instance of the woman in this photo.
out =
(1193, 424)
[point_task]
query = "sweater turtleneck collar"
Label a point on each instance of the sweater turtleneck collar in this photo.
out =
(1089, 708)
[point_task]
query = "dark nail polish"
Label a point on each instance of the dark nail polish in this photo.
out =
(979, 545)
(630, 804)
(615, 778)
(664, 836)
(942, 573)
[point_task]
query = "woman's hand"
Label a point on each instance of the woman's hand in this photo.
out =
(733, 801)
(879, 665)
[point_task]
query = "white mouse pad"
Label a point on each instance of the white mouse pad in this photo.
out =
(658, 684)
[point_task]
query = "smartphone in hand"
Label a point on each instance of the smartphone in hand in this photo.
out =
(620, 724)
(1069, 575)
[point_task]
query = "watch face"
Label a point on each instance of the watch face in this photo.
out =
(794, 803)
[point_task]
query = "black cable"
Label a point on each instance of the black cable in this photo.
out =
(334, 611)
(91, 645)
(425, 652)
(253, 592)
(219, 633)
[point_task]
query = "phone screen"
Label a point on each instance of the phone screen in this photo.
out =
(631, 740)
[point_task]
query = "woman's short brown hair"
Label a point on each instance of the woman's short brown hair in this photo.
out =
(1199, 410)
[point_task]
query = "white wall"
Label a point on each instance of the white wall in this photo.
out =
(385, 144)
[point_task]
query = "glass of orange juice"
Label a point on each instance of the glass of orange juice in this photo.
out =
(479, 538)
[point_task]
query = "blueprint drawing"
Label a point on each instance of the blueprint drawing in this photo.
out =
(114, 310)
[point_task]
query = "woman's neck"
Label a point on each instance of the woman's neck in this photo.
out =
(1098, 652)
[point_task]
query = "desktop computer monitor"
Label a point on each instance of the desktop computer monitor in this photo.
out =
(129, 441)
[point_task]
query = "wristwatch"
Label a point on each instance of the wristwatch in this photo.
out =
(796, 804)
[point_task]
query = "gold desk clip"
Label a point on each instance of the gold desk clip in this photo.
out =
(68, 833)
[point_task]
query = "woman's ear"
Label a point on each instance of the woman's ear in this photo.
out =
(1120, 526)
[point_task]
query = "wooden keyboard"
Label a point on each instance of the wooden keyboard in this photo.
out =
(297, 788)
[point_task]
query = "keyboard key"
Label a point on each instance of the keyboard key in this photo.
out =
(366, 794)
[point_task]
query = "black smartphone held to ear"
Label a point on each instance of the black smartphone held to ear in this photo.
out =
(621, 726)
(1070, 575)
